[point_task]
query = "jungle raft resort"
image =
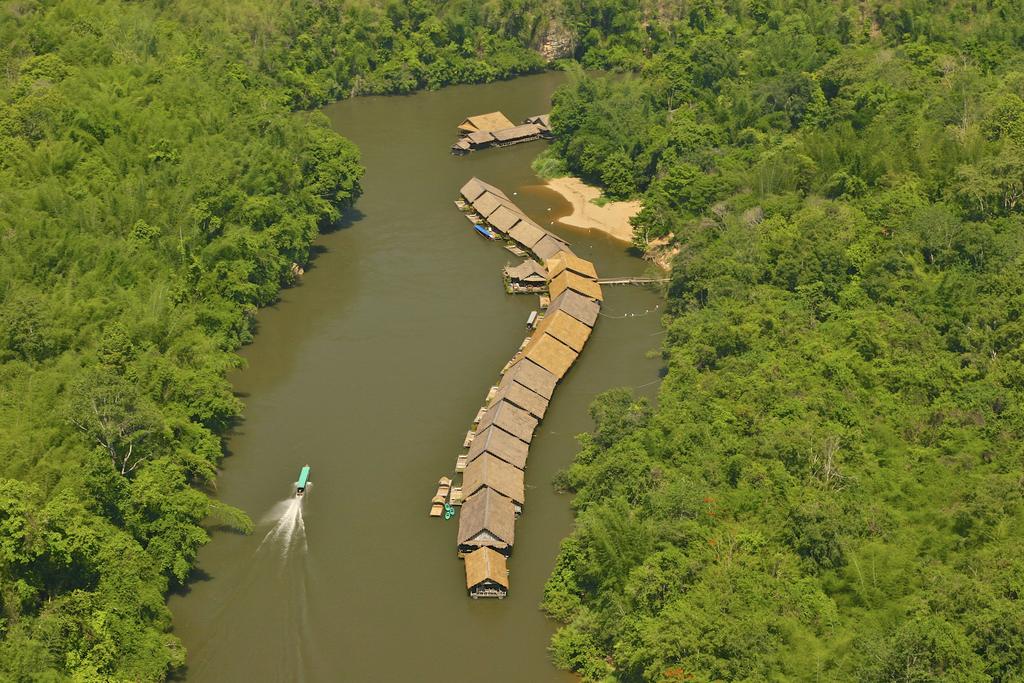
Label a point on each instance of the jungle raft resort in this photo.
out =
(492, 490)
(496, 130)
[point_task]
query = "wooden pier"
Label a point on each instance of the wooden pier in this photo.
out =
(632, 280)
(440, 499)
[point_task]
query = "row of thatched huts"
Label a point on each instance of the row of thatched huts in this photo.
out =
(496, 130)
(493, 482)
(506, 219)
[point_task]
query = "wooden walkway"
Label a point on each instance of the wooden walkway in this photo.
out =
(632, 280)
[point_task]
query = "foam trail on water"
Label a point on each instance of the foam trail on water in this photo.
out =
(288, 529)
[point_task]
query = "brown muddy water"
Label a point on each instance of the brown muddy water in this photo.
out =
(370, 372)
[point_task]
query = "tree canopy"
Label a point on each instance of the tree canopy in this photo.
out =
(155, 190)
(829, 486)
(830, 483)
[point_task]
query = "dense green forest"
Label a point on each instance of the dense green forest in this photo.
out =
(159, 177)
(830, 485)
(154, 191)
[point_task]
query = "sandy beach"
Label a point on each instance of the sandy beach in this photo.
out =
(612, 218)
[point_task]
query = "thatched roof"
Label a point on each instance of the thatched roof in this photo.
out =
(473, 188)
(488, 203)
(476, 187)
(489, 471)
(532, 376)
(486, 565)
(548, 246)
(518, 395)
(493, 121)
(487, 514)
(523, 130)
(510, 418)
(578, 306)
(527, 233)
(527, 270)
(565, 329)
(480, 137)
(550, 354)
(543, 120)
(566, 260)
(504, 218)
(499, 443)
(577, 283)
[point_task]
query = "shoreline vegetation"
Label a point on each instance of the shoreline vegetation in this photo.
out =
(825, 487)
(140, 243)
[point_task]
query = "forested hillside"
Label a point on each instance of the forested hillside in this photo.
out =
(830, 486)
(158, 180)
(154, 191)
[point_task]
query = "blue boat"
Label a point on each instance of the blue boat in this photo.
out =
(485, 232)
(303, 482)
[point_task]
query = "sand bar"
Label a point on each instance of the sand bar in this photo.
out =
(612, 218)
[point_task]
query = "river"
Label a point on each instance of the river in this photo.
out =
(371, 372)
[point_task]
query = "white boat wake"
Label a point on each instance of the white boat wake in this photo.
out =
(288, 529)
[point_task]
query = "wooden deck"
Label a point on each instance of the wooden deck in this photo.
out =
(632, 280)
(524, 289)
(516, 141)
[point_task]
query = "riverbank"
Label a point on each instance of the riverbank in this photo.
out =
(611, 218)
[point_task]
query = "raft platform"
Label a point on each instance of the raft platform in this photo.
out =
(498, 131)
(493, 471)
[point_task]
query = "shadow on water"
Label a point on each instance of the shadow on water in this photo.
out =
(234, 432)
(349, 217)
(195, 577)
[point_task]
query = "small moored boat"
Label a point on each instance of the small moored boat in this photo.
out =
(484, 231)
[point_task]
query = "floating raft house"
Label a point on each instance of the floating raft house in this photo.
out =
(486, 574)
(487, 471)
(484, 122)
(493, 469)
(487, 520)
(496, 130)
(528, 277)
(499, 443)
